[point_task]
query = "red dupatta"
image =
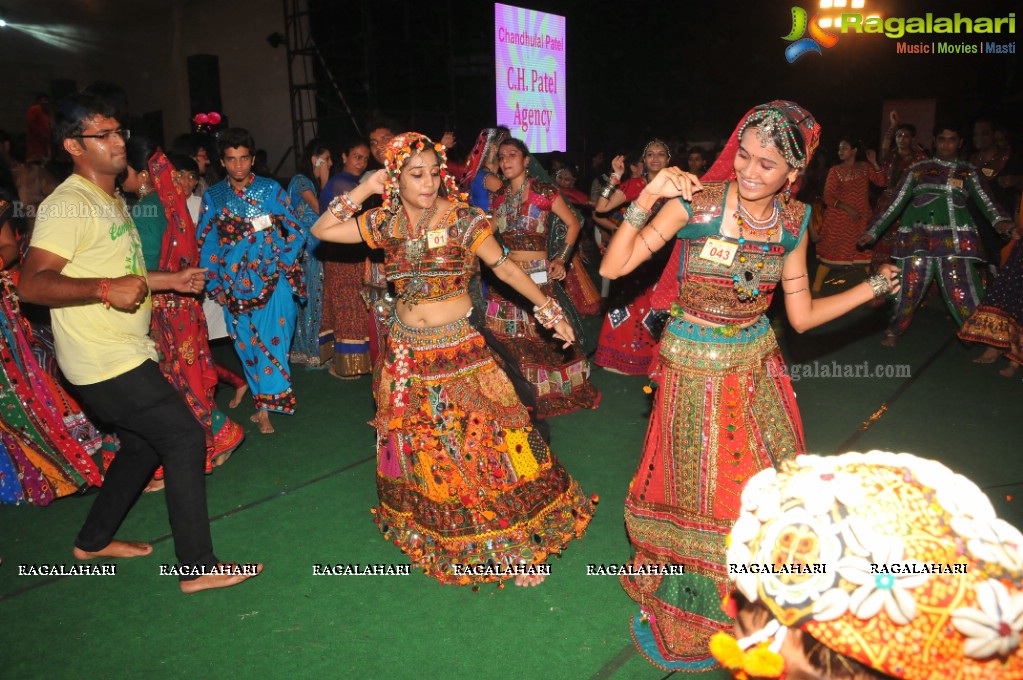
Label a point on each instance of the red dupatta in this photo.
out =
(179, 325)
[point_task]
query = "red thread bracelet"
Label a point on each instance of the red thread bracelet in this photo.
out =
(104, 291)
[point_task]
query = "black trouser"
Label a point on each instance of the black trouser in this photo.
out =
(155, 428)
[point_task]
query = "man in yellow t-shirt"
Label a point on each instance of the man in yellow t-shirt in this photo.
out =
(85, 262)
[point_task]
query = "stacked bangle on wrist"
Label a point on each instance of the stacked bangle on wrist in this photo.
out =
(608, 190)
(550, 314)
(636, 216)
(343, 207)
(564, 253)
(880, 284)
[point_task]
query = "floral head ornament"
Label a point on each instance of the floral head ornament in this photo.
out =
(403, 147)
(889, 559)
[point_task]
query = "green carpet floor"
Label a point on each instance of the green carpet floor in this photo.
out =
(303, 496)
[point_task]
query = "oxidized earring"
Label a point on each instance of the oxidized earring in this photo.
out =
(787, 194)
(144, 188)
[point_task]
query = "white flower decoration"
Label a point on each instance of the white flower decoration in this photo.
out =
(997, 542)
(857, 535)
(995, 627)
(799, 589)
(875, 591)
(746, 529)
(820, 489)
(760, 495)
(963, 497)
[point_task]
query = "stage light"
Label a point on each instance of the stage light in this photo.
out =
(825, 4)
(3, 23)
(857, 4)
(824, 23)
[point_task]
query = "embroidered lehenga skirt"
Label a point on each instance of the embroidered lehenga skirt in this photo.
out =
(463, 478)
(724, 411)
(560, 377)
(998, 321)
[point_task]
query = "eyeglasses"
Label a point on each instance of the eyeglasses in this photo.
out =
(123, 133)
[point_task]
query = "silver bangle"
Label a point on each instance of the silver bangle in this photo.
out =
(563, 253)
(501, 260)
(608, 190)
(880, 284)
(636, 216)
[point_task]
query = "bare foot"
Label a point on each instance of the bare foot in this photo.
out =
(989, 356)
(115, 549)
(262, 418)
(154, 485)
(889, 341)
(529, 580)
(232, 575)
(1009, 370)
(239, 392)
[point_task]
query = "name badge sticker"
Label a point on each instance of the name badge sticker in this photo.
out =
(437, 238)
(262, 222)
(719, 251)
(539, 278)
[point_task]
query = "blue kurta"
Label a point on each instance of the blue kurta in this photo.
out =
(251, 241)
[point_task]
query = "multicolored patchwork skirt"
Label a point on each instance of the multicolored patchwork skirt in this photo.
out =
(724, 410)
(464, 480)
(561, 377)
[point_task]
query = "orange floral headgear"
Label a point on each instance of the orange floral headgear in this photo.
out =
(399, 150)
(889, 559)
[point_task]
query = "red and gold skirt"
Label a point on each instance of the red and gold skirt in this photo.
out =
(724, 410)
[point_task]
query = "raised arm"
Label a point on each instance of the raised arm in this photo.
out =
(331, 228)
(633, 243)
(611, 196)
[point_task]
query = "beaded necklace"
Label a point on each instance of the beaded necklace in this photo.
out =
(513, 202)
(415, 248)
(746, 281)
